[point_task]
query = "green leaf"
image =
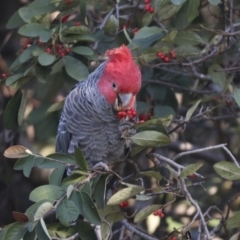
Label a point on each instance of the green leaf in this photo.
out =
(163, 111)
(42, 6)
(150, 139)
(85, 230)
(69, 190)
(22, 107)
(227, 170)
(236, 95)
(10, 80)
(142, 197)
(193, 6)
(214, 2)
(56, 106)
(63, 157)
(146, 36)
(27, 13)
(41, 230)
(10, 115)
(127, 35)
(46, 59)
(152, 174)
(80, 159)
(42, 73)
(75, 68)
(14, 21)
(67, 212)
(178, 2)
(220, 78)
(112, 25)
(89, 210)
(188, 38)
(190, 169)
(100, 191)
(83, 8)
(167, 11)
(234, 221)
(82, 50)
(42, 210)
(50, 192)
(33, 208)
(57, 230)
(56, 176)
(124, 194)
(191, 110)
(145, 212)
(16, 231)
(45, 35)
(31, 30)
(29, 236)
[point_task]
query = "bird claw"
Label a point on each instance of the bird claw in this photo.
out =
(127, 129)
(102, 165)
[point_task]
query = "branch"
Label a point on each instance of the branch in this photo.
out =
(199, 211)
(137, 232)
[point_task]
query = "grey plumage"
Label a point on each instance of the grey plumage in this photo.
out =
(89, 122)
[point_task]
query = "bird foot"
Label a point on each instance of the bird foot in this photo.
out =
(127, 128)
(101, 165)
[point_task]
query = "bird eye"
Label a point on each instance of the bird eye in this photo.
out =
(114, 85)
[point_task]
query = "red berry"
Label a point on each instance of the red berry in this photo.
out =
(124, 204)
(161, 215)
(174, 238)
(4, 75)
(172, 54)
(68, 1)
(77, 23)
(124, 26)
(146, 1)
(65, 18)
(151, 10)
(147, 7)
(68, 50)
(166, 59)
(134, 113)
(160, 55)
(155, 213)
(135, 30)
(124, 114)
(48, 50)
(61, 54)
(229, 102)
(130, 116)
(25, 46)
(58, 46)
(120, 114)
(192, 175)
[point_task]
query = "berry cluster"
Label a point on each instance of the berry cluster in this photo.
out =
(166, 58)
(159, 213)
(148, 7)
(130, 113)
(124, 204)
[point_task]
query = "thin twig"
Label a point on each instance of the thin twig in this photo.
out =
(198, 150)
(137, 232)
(192, 201)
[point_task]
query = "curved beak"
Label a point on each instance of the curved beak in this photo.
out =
(124, 101)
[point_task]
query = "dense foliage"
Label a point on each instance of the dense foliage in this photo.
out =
(188, 108)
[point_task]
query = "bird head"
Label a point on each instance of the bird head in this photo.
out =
(121, 79)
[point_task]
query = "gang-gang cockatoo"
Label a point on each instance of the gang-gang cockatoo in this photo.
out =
(89, 118)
